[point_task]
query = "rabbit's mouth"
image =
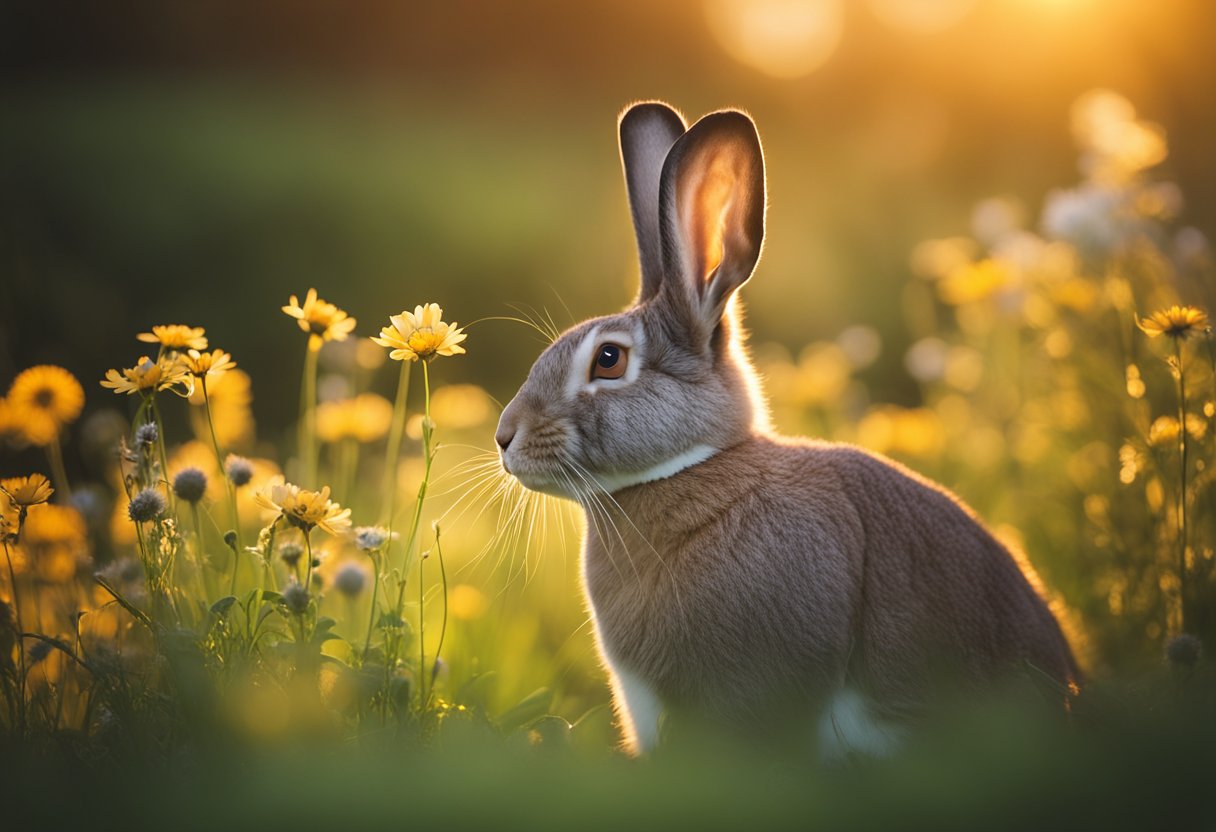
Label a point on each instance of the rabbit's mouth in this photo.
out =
(542, 483)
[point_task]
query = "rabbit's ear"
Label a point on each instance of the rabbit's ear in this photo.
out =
(711, 208)
(647, 132)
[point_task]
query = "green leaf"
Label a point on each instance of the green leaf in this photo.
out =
(139, 614)
(222, 606)
(61, 647)
(530, 708)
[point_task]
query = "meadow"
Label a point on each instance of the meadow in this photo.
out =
(364, 619)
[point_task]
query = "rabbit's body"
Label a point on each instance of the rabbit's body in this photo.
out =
(883, 585)
(736, 576)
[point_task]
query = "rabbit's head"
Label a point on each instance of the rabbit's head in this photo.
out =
(636, 396)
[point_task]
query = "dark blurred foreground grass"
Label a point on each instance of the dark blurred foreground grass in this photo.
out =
(1134, 757)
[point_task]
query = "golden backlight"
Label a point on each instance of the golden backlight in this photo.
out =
(782, 38)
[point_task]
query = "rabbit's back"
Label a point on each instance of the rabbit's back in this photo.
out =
(941, 596)
(785, 569)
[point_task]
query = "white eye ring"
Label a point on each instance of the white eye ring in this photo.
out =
(582, 377)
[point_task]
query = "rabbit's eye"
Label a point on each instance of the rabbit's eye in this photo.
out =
(610, 361)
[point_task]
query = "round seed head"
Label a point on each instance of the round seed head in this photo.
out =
(146, 506)
(190, 485)
(296, 598)
(350, 580)
(1184, 650)
(239, 470)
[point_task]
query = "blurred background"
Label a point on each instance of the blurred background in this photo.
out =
(199, 163)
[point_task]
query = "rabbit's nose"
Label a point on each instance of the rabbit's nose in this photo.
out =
(504, 435)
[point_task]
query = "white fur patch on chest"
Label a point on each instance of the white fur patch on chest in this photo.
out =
(848, 725)
(639, 706)
(693, 456)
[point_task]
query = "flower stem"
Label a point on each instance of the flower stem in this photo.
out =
(54, 452)
(219, 461)
(12, 577)
(443, 627)
(371, 616)
(428, 458)
(423, 696)
(1182, 454)
(198, 552)
(308, 418)
(164, 460)
(308, 551)
(393, 453)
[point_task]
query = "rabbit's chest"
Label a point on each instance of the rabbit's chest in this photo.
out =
(722, 624)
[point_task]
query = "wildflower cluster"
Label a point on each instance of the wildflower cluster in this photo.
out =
(174, 564)
(1059, 357)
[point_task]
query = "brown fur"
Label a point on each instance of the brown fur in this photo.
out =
(873, 576)
(752, 585)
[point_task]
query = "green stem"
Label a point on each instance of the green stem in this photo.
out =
(1182, 519)
(12, 577)
(393, 452)
(371, 616)
(54, 452)
(308, 554)
(219, 461)
(423, 696)
(308, 419)
(428, 458)
(164, 460)
(199, 554)
(443, 627)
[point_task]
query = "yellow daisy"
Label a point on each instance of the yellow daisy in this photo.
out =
(304, 509)
(149, 376)
(44, 399)
(55, 540)
(176, 337)
(10, 424)
(321, 319)
(421, 334)
(213, 364)
(1178, 322)
(27, 491)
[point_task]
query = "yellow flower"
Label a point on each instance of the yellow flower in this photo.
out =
(148, 376)
(304, 509)
(27, 491)
(421, 334)
(214, 363)
(364, 418)
(321, 319)
(10, 424)
(55, 540)
(44, 399)
(176, 337)
(974, 281)
(1177, 322)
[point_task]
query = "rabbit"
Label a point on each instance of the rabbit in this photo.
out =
(737, 577)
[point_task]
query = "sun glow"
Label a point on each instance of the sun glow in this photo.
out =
(782, 38)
